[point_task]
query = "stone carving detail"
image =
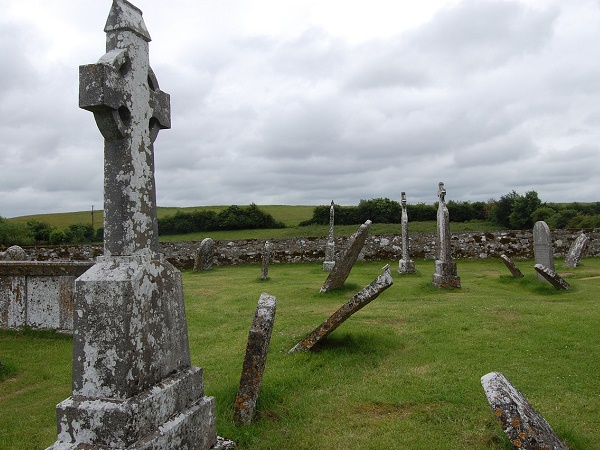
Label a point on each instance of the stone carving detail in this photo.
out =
(205, 255)
(445, 268)
(133, 384)
(13, 253)
(525, 427)
(330, 249)
(406, 265)
(341, 270)
(266, 255)
(511, 266)
(359, 301)
(552, 277)
(577, 250)
(542, 247)
(255, 359)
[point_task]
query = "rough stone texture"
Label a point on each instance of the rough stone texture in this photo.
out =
(516, 244)
(542, 246)
(255, 359)
(445, 268)
(405, 265)
(359, 301)
(13, 253)
(329, 262)
(133, 385)
(205, 255)
(514, 270)
(577, 250)
(266, 254)
(524, 426)
(341, 270)
(38, 294)
(552, 277)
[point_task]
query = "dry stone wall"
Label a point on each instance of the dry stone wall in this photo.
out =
(514, 244)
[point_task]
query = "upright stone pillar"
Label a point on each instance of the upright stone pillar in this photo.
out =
(542, 247)
(445, 269)
(133, 384)
(406, 265)
(329, 262)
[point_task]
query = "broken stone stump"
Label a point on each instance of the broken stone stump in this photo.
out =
(359, 301)
(266, 254)
(576, 251)
(542, 247)
(525, 427)
(514, 270)
(205, 255)
(255, 359)
(445, 275)
(338, 275)
(552, 277)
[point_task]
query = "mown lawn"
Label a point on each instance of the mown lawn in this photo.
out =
(401, 373)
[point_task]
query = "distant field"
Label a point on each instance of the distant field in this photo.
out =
(290, 215)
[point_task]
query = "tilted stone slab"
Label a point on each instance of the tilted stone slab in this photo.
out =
(525, 427)
(339, 273)
(576, 251)
(255, 359)
(359, 301)
(542, 246)
(514, 270)
(205, 255)
(552, 277)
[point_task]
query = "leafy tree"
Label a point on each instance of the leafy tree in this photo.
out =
(40, 230)
(523, 207)
(12, 233)
(542, 213)
(379, 210)
(79, 233)
(501, 209)
(58, 237)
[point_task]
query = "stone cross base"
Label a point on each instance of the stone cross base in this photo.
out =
(445, 275)
(328, 266)
(406, 266)
(173, 414)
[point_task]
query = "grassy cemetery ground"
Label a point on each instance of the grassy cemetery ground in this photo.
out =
(401, 373)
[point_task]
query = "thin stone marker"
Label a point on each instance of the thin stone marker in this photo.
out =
(338, 275)
(255, 359)
(359, 301)
(266, 255)
(445, 268)
(525, 427)
(329, 262)
(514, 270)
(576, 251)
(405, 265)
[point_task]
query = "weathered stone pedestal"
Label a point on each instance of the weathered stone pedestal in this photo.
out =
(406, 266)
(133, 384)
(445, 274)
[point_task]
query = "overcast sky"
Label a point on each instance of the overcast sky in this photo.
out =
(301, 102)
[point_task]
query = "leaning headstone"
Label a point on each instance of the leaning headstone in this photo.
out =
(577, 250)
(359, 301)
(445, 268)
(552, 277)
(255, 359)
(406, 265)
(13, 253)
(266, 255)
(511, 266)
(133, 385)
(542, 246)
(330, 249)
(341, 270)
(525, 427)
(205, 255)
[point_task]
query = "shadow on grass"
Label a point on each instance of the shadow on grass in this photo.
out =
(26, 332)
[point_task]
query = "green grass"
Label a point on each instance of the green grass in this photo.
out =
(401, 373)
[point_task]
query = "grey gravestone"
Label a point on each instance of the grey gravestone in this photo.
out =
(329, 262)
(525, 427)
(542, 246)
(255, 359)
(552, 277)
(205, 255)
(511, 266)
(13, 253)
(341, 270)
(133, 384)
(445, 269)
(360, 300)
(577, 250)
(266, 255)
(406, 265)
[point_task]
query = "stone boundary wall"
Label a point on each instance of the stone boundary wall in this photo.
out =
(514, 244)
